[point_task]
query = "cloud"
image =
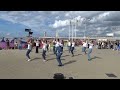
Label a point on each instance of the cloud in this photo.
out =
(60, 23)
(8, 34)
(50, 21)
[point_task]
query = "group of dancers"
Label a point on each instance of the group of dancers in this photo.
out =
(58, 49)
(88, 45)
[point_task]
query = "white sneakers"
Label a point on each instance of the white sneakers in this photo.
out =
(44, 60)
(28, 59)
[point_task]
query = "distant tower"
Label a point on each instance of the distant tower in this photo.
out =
(57, 35)
(45, 34)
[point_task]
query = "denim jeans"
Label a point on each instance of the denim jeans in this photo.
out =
(89, 52)
(72, 48)
(44, 54)
(59, 58)
(83, 49)
(28, 52)
(69, 48)
(37, 49)
(54, 50)
(20, 46)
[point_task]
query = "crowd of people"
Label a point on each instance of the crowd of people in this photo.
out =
(57, 49)
(57, 46)
(13, 44)
(115, 45)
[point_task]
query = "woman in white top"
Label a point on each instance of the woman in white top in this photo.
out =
(49, 46)
(84, 47)
(44, 48)
(72, 48)
(69, 45)
(15, 45)
(54, 43)
(37, 45)
(90, 50)
(29, 49)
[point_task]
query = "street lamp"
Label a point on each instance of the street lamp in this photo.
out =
(72, 32)
(76, 22)
(69, 29)
(86, 20)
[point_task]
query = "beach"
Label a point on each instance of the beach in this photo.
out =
(14, 64)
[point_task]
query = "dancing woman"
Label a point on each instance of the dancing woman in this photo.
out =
(29, 49)
(90, 50)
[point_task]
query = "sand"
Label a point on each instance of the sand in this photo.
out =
(14, 65)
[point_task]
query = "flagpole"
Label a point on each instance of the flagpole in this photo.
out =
(85, 30)
(69, 29)
(75, 28)
(72, 32)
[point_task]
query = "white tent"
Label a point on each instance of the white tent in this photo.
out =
(110, 34)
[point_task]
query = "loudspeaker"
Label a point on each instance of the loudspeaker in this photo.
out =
(58, 76)
(27, 30)
(30, 33)
(70, 77)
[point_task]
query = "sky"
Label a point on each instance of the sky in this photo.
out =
(98, 23)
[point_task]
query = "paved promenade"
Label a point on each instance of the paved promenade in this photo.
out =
(14, 65)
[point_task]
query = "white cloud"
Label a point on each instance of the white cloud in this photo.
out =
(60, 23)
(102, 16)
(38, 20)
(8, 34)
(117, 32)
(57, 17)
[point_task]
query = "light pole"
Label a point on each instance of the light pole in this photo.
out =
(75, 27)
(85, 30)
(86, 20)
(69, 29)
(72, 32)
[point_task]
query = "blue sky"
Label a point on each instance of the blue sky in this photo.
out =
(9, 28)
(13, 23)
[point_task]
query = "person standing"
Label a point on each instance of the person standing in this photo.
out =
(3, 40)
(61, 45)
(20, 44)
(15, 45)
(69, 46)
(90, 50)
(59, 53)
(49, 46)
(44, 50)
(57, 45)
(37, 45)
(54, 43)
(72, 48)
(29, 49)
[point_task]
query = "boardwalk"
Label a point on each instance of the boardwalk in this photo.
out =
(13, 65)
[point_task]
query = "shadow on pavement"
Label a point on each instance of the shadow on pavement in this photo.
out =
(35, 59)
(96, 57)
(69, 62)
(78, 55)
(51, 59)
(65, 55)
